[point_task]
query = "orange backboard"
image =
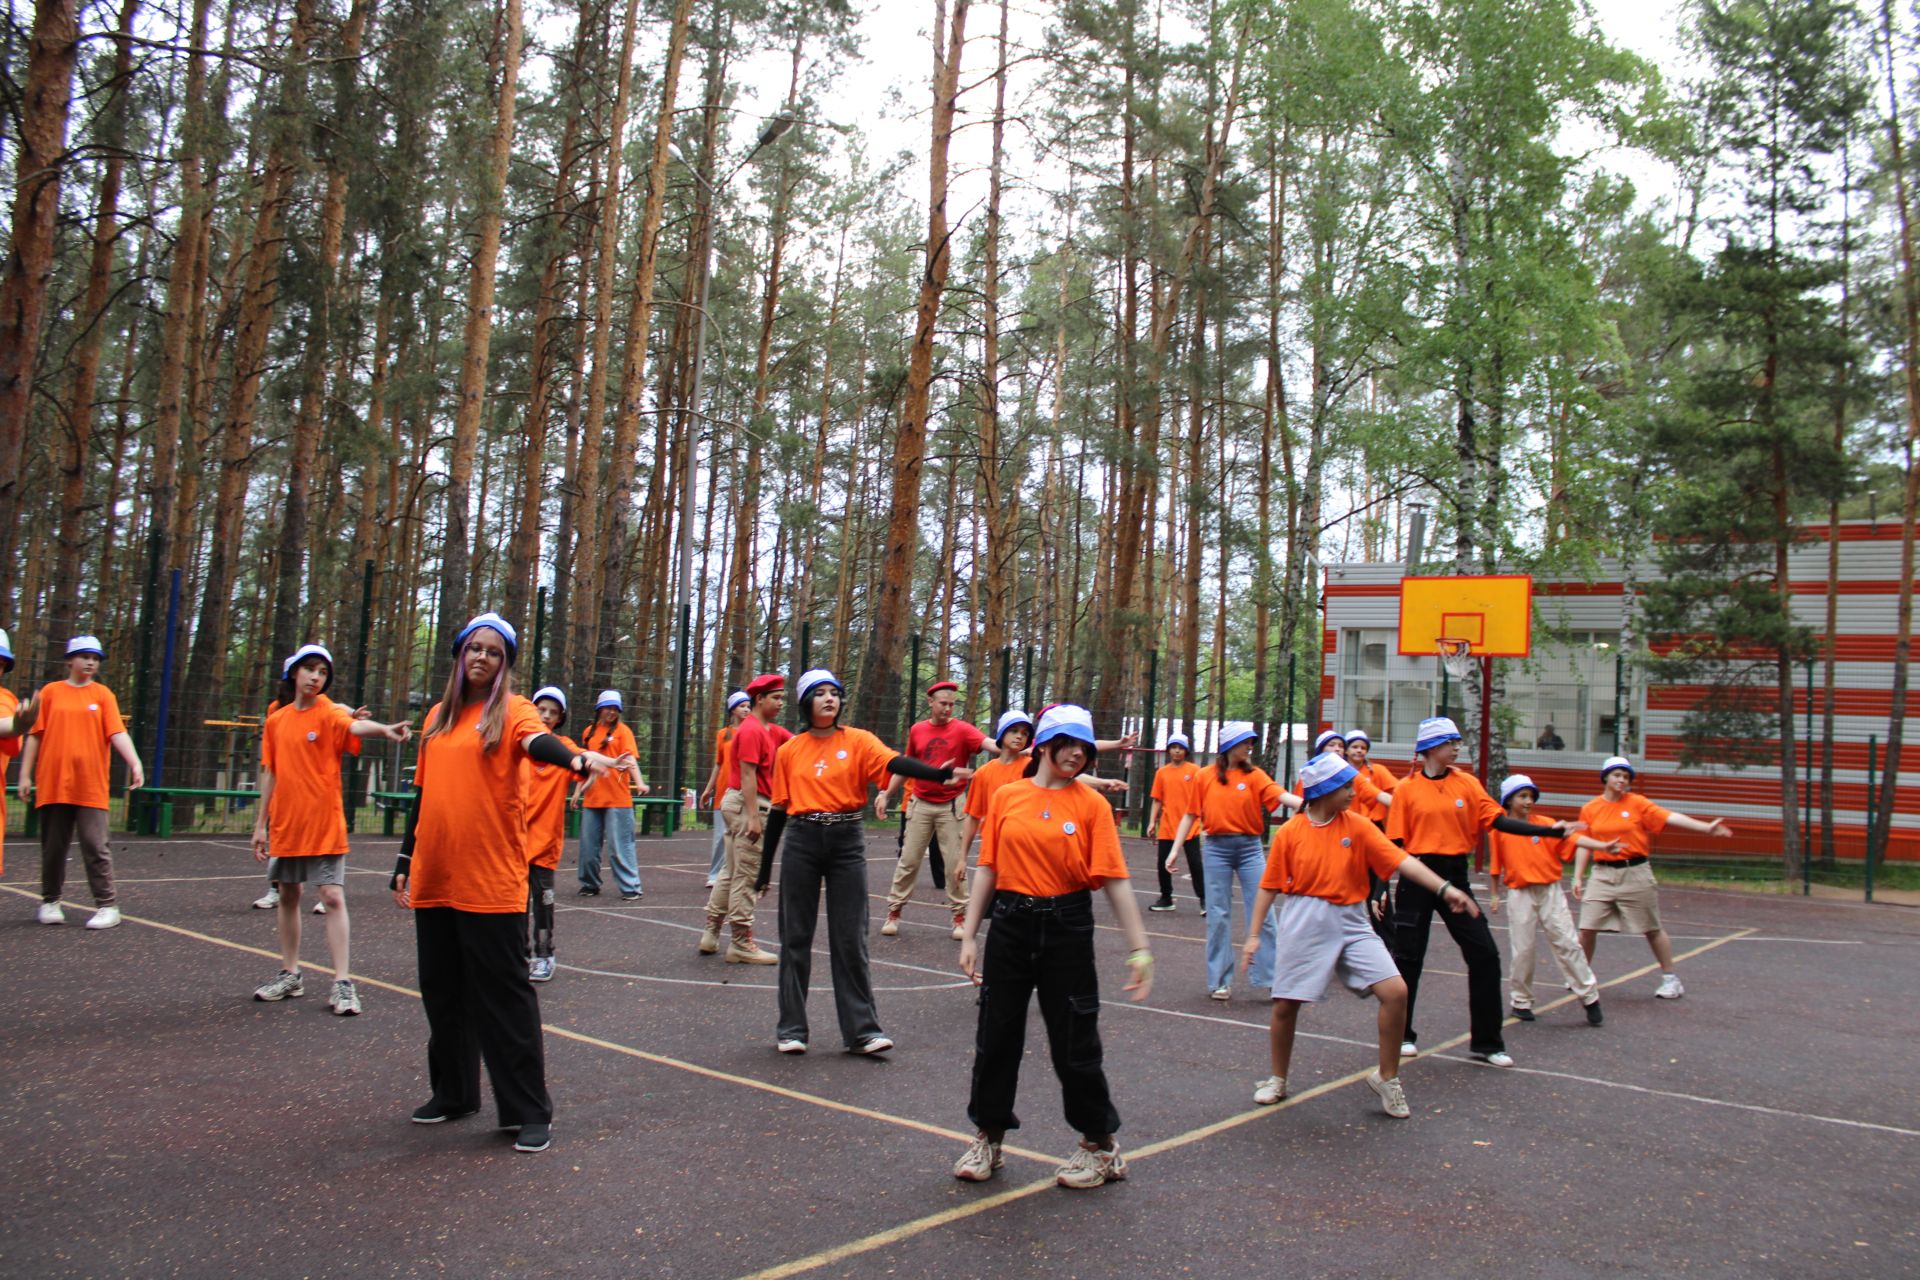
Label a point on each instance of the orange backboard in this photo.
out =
(1493, 613)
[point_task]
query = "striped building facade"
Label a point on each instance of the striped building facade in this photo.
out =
(1569, 707)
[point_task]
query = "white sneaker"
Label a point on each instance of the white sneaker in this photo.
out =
(104, 918)
(1408, 1049)
(979, 1161)
(319, 908)
(892, 927)
(1670, 988)
(1091, 1167)
(267, 901)
(345, 999)
(50, 913)
(1498, 1058)
(1393, 1099)
(1223, 993)
(1270, 1090)
(791, 1046)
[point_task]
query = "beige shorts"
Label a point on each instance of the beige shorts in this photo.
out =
(1621, 900)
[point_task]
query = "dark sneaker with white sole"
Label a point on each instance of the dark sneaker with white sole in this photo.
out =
(534, 1137)
(435, 1113)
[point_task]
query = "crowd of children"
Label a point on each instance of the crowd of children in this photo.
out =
(487, 827)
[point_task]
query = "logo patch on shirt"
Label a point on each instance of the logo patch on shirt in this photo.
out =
(312, 736)
(1535, 839)
(1067, 827)
(840, 755)
(1459, 804)
(819, 767)
(94, 706)
(1346, 842)
(1241, 787)
(1626, 815)
(1046, 815)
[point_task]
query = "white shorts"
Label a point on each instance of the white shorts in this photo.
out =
(1318, 939)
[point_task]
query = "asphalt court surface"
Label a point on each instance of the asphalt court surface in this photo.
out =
(160, 1121)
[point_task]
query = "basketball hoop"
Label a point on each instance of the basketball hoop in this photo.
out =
(1457, 657)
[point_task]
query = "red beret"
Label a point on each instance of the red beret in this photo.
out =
(766, 684)
(942, 684)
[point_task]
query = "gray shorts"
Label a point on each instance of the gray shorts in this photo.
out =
(1317, 940)
(325, 869)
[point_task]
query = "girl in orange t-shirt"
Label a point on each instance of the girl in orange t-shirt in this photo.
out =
(1319, 869)
(301, 830)
(1620, 896)
(463, 872)
(66, 761)
(547, 786)
(607, 803)
(1230, 803)
(821, 779)
(1172, 795)
(1046, 844)
(739, 707)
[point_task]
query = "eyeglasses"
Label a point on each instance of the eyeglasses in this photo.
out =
(484, 651)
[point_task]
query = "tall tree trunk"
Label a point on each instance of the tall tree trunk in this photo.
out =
(471, 394)
(999, 488)
(633, 373)
(330, 304)
(880, 674)
(29, 265)
(86, 365)
(587, 558)
(1910, 500)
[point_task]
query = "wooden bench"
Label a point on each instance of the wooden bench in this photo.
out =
(150, 809)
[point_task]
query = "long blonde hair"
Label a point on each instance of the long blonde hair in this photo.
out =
(454, 702)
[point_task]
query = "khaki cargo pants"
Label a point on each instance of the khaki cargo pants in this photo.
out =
(925, 820)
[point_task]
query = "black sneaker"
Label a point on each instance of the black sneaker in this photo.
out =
(587, 891)
(1164, 904)
(629, 897)
(435, 1112)
(534, 1137)
(1594, 1016)
(1525, 1015)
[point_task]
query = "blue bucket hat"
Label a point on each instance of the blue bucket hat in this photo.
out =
(6, 649)
(1064, 721)
(1233, 733)
(1616, 762)
(1011, 718)
(1331, 735)
(1180, 740)
(813, 679)
(1325, 774)
(554, 693)
(609, 698)
(86, 644)
(494, 622)
(1516, 783)
(737, 698)
(301, 654)
(1358, 735)
(1435, 731)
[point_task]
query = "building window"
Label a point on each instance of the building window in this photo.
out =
(1564, 694)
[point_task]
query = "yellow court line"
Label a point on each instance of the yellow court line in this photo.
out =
(597, 1042)
(919, 1226)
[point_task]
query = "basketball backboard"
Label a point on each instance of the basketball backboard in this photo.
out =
(1493, 613)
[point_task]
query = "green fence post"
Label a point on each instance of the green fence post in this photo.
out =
(1286, 770)
(913, 682)
(806, 648)
(351, 780)
(1026, 701)
(1873, 744)
(539, 635)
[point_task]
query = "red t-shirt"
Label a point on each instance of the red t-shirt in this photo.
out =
(955, 742)
(755, 744)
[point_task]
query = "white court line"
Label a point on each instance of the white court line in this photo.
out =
(1781, 1112)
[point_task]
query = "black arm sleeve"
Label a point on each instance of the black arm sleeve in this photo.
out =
(769, 845)
(548, 749)
(405, 861)
(908, 767)
(1515, 827)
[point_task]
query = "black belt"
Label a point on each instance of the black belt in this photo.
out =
(1027, 902)
(1634, 861)
(830, 819)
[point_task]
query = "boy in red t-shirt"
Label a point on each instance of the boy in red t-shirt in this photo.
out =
(935, 810)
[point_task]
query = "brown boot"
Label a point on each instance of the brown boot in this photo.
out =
(710, 939)
(743, 951)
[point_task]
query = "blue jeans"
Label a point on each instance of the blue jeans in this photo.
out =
(1226, 859)
(615, 828)
(719, 859)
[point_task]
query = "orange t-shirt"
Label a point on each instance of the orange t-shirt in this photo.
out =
(547, 786)
(8, 747)
(988, 779)
(1049, 842)
(1329, 862)
(74, 726)
(1239, 806)
(1523, 860)
(1382, 779)
(1445, 815)
(720, 762)
(470, 846)
(831, 774)
(612, 789)
(1173, 788)
(1630, 822)
(302, 750)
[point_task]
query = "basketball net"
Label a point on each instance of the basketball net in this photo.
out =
(1457, 656)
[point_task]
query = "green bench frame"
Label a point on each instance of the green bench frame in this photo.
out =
(155, 805)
